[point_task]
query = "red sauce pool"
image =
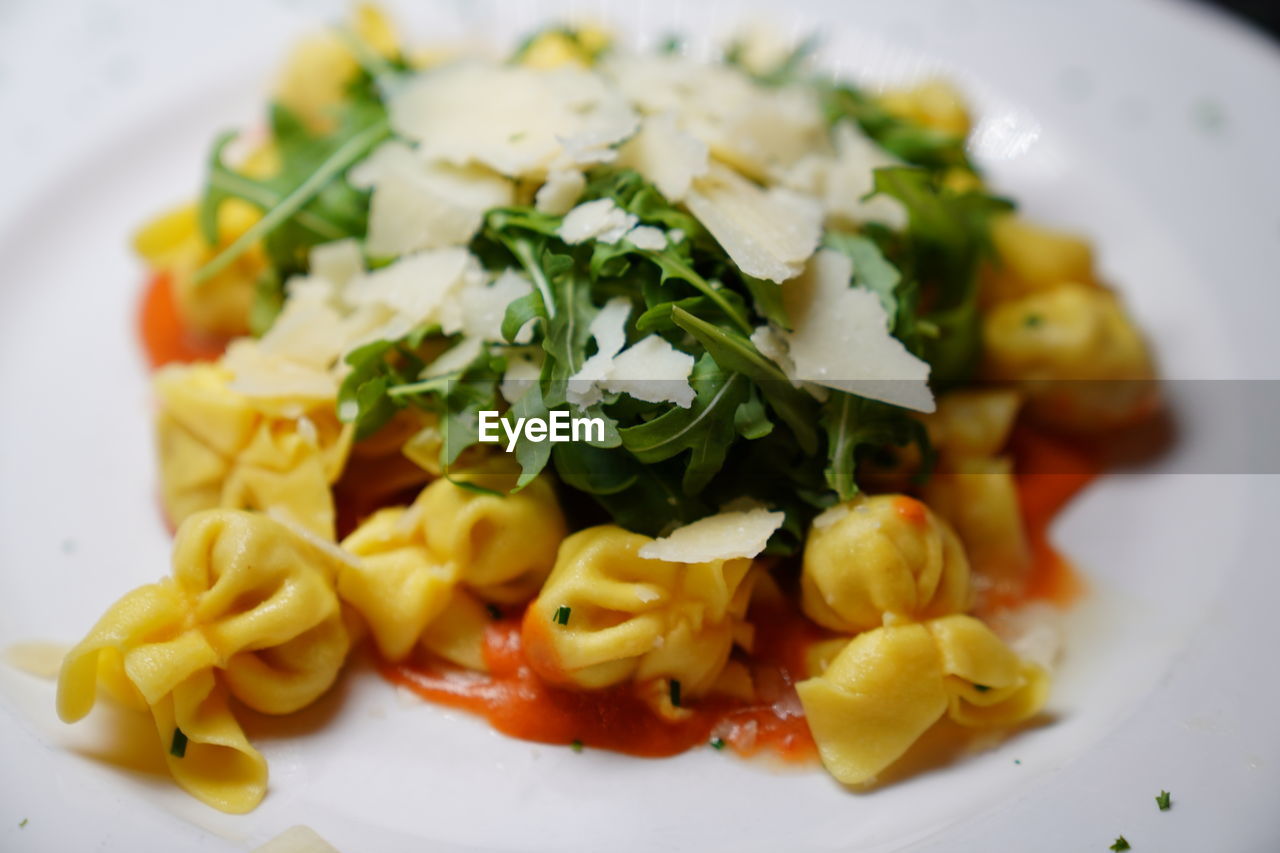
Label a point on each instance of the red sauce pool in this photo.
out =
(165, 338)
(518, 703)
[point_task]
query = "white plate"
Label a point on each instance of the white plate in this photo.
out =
(1151, 126)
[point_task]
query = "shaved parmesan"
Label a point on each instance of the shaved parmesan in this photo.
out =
(415, 288)
(600, 220)
(646, 237)
(756, 129)
(561, 191)
(652, 370)
(609, 328)
(841, 179)
(482, 306)
(727, 536)
(841, 339)
(769, 234)
(416, 206)
(337, 262)
(665, 155)
(518, 121)
(269, 376)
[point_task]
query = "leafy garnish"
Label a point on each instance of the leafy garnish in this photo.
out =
(178, 746)
(561, 616)
(1119, 844)
(306, 202)
(1163, 801)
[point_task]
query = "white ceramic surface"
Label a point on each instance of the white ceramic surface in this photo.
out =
(1149, 125)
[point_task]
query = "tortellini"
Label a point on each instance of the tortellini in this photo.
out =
(1033, 259)
(220, 448)
(433, 560)
(607, 615)
(973, 487)
(1075, 353)
(171, 244)
(250, 610)
(888, 685)
(887, 555)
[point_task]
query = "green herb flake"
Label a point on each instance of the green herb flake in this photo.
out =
(1032, 321)
(1163, 801)
(22, 823)
(1120, 844)
(675, 692)
(561, 616)
(981, 688)
(717, 743)
(576, 746)
(178, 747)
(1017, 761)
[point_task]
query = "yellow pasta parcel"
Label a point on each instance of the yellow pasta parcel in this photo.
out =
(887, 555)
(606, 615)
(250, 609)
(1075, 354)
(220, 448)
(412, 562)
(889, 685)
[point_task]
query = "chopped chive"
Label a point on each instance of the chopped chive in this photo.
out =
(178, 748)
(1163, 801)
(1017, 761)
(675, 692)
(1032, 320)
(494, 612)
(717, 743)
(576, 746)
(22, 823)
(1120, 844)
(562, 615)
(981, 688)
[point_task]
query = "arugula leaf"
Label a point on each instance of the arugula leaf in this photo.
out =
(736, 353)
(306, 202)
(948, 236)
(705, 429)
(852, 423)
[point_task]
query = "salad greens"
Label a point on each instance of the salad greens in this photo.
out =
(750, 432)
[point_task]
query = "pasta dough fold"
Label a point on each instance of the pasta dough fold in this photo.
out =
(630, 618)
(888, 685)
(220, 448)
(882, 555)
(423, 570)
(250, 610)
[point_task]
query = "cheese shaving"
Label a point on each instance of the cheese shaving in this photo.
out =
(726, 536)
(769, 234)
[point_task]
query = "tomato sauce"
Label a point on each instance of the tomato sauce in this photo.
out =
(1051, 471)
(517, 702)
(165, 337)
